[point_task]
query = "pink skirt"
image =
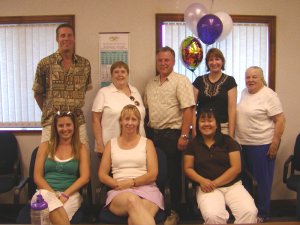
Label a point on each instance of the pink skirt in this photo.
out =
(149, 192)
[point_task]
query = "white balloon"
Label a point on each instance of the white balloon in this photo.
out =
(227, 24)
(192, 15)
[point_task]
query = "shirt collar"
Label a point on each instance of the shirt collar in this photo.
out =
(114, 89)
(60, 59)
(219, 140)
(169, 77)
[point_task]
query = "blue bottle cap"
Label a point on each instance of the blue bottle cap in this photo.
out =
(40, 203)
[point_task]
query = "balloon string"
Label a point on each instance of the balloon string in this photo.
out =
(206, 49)
(211, 6)
(194, 75)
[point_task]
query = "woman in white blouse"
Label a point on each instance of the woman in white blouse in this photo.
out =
(109, 103)
(259, 127)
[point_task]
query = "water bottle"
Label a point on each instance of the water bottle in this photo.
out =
(39, 211)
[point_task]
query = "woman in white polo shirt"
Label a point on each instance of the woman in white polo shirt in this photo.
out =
(259, 127)
(109, 103)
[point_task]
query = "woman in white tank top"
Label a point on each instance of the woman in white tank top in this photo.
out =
(133, 162)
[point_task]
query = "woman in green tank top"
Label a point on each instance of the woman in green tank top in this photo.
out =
(62, 168)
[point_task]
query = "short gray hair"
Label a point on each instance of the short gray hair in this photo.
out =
(261, 72)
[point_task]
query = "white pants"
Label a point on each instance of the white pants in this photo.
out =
(71, 205)
(213, 205)
(46, 133)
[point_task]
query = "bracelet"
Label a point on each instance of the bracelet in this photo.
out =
(99, 155)
(185, 137)
(65, 195)
(133, 180)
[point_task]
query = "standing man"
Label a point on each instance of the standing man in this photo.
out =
(170, 102)
(61, 82)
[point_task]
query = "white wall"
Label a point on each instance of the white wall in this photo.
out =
(138, 18)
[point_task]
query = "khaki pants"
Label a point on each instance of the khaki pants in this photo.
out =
(224, 128)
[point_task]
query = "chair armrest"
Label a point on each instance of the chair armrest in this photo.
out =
(18, 190)
(167, 197)
(86, 192)
(100, 194)
(191, 198)
(17, 170)
(286, 165)
(191, 193)
(87, 209)
(251, 178)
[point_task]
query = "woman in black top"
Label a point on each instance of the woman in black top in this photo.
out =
(217, 90)
(213, 161)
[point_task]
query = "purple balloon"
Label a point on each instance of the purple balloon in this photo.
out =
(209, 28)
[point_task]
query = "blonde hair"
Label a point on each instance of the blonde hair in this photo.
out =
(54, 138)
(261, 73)
(130, 110)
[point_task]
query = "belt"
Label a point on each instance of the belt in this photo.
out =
(166, 130)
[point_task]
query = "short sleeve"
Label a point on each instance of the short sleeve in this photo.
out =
(190, 150)
(89, 77)
(137, 95)
(231, 83)
(185, 93)
(145, 95)
(197, 82)
(232, 145)
(98, 103)
(40, 79)
(273, 104)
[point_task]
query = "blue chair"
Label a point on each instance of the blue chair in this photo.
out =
(290, 178)
(24, 214)
(107, 216)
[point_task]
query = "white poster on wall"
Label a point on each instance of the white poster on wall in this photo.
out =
(112, 47)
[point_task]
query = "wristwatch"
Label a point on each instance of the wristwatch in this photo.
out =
(185, 137)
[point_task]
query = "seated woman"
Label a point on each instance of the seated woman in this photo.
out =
(133, 162)
(213, 161)
(62, 168)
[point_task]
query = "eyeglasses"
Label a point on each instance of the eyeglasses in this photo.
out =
(135, 101)
(63, 113)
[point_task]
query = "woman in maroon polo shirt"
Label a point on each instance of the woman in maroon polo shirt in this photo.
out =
(213, 161)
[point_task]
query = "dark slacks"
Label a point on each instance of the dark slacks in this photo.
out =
(166, 140)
